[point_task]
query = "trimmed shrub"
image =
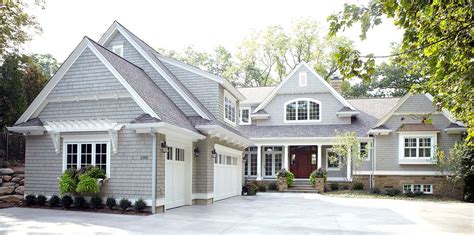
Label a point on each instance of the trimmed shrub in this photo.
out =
(345, 187)
(334, 186)
(392, 192)
(409, 194)
(124, 204)
(66, 201)
(139, 205)
(357, 186)
(41, 200)
(418, 193)
(30, 200)
(67, 184)
(54, 201)
(110, 203)
(87, 184)
(272, 186)
(96, 202)
(319, 173)
(79, 202)
(375, 191)
(262, 188)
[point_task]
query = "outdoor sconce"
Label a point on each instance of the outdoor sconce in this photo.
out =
(213, 153)
(196, 152)
(164, 147)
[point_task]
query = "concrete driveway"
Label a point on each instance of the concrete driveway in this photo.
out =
(266, 213)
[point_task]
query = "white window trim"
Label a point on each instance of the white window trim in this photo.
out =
(249, 163)
(327, 162)
(118, 47)
(370, 148)
(416, 160)
(82, 141)
(421, 189)
(303, 78)
(273, 153)
(296, 117)
(240, 116)
(234, 101)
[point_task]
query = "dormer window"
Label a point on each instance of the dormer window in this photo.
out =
(303, 78)
(303, 110)
(229, 108)
(245, 116)
(118, 49)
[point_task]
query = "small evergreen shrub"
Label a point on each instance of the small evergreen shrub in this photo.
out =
(41, 200)
(66, 201)
(392, 192)
(409, 194)
(54, 201)
(124, 204)
(334, 186)
(30, 200)
(262, 188)
(110, 203)
(96, 202)
(272, 186)
(139, 205)
(79, 202)
(345, 187)
(375, 191)
(418, 193)
(357, 186)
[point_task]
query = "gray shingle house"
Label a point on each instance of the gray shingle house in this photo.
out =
(175, 135)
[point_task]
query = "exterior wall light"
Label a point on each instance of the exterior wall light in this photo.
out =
(164, 147)
(213, 153)
(196, 152)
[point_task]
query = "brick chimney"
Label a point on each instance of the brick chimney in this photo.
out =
(336, 83)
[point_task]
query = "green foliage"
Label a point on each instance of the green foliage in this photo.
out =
(347, 145)
(87, 185)
(375, 191)
(67, 184)
(392, 192)
(139, 205)
(96, 202)
(357, 186)
(79, 202)
(110, 203)
(272, 186)
(437, 44)
(290, 177)
(251, 187)
(41, 200)
(262, 188)
(319, 173)
(48, 64)
(124, 204)
(334, 186)
(17, 24)
(94, 172)
(54, 201)
(30, 200)
(66, 201)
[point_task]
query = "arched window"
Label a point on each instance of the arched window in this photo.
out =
(302, 110)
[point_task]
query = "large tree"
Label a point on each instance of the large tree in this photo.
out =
(16, 25)
(437, 43)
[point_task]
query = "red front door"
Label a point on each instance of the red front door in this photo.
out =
(303, 160)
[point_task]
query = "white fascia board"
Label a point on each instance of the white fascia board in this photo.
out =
(40, 99)
(379, 132)
(164, 128)
(347, 114)
(137, 98)
(211, 129)
(331, 89)
(457, 130)
(28, 130)
(224, 149)
(117, 28)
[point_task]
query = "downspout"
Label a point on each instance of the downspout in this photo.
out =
(373, 163)
(153, 174)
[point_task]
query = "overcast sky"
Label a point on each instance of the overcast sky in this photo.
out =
(175, 24)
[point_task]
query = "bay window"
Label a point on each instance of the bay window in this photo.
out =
(303, 110)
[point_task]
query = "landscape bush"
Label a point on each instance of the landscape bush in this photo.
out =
(54, 201)
(139, 205)
(357, 186)
(79, 202)
(41, 200)
(66, 201)
(124, 204)
(272, 186)
(375, 191)
(95, 202)
(30, 200)
(262, 188)
(290, 177)
(251, 188)
(319, 173)
(334, 186)
(110, 203)
(87, 184)
(392, 192)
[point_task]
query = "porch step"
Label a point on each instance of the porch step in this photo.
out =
(308, 188)
(302, 182)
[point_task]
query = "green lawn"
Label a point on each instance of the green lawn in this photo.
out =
(364, 194)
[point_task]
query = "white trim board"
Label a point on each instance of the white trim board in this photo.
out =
(272, 94)
(116, 27)
(403, 173)
(41, 100)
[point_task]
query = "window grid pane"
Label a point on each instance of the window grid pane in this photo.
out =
(291, 111)
(313, 111)
(278, 162)
(302, 110)
(245, 116)
(229, 107)
(71, 156)
(86, 155)
(268, 164)
(253, 164)
(101, 156)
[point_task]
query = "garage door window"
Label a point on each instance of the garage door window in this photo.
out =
(179, 155)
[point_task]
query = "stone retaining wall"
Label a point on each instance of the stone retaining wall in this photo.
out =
(12, 181)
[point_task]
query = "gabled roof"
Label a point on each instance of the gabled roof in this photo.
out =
(311, 70)
(39, 102)
(148, 53)
(255, 95)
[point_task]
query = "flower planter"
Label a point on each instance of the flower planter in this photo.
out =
(282, 184)
(319, 185)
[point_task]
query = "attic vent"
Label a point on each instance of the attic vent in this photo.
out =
(118, 49)
(303, 78)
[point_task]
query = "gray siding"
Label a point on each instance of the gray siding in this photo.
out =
(387, 147)
(132, 55)
(314, 85)
(342, 172)
(87, 76)
(328, 109)
(418, 103)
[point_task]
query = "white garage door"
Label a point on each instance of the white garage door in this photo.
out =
(176, 177)
(227, 173)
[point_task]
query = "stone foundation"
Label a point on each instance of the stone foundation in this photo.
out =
(203, 201)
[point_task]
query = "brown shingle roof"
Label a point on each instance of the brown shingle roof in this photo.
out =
(417, 127)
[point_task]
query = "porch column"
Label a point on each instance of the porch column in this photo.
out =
(285, 158)
(259, 162)
(349, 165)
(319, 157)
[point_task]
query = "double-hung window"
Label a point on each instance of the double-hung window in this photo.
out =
(84, 154)
(365, 150)
(245, 116)
(273, 160)
(302, 110)
(416, 148)
(251, 161)
(229, 108)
